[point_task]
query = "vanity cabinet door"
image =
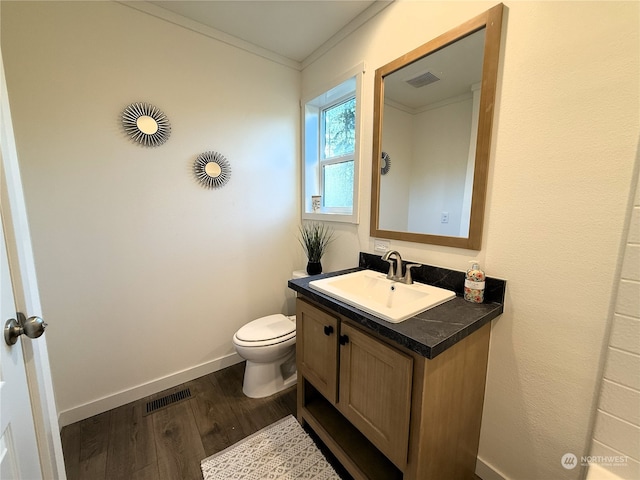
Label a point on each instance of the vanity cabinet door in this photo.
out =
(375, 391)
(317, 348)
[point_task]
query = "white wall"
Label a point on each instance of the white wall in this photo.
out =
(617, 425)
(565, 138)
(143, 273)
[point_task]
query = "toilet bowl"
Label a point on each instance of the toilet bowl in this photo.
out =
(268, 344)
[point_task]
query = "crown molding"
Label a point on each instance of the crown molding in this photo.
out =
(210, 32)
(194, 26)
(347, 30)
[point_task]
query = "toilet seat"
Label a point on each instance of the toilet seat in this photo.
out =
(264, 331)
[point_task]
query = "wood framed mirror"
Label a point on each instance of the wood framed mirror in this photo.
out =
(433, 114)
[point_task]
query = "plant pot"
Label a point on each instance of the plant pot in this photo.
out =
(314, 268)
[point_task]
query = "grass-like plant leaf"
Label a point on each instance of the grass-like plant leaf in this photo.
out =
(314, 238)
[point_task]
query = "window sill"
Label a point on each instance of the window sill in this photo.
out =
(331, 217)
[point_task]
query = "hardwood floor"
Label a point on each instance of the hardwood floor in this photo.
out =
(170, 443)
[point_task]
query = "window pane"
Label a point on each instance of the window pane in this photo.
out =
(340, 129)
(338, 184)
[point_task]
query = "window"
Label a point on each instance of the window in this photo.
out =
(331, 133)
(337, 147)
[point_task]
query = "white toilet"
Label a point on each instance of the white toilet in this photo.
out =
(268, 344)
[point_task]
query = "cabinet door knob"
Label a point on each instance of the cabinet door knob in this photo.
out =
(328, 330)
(344, 339)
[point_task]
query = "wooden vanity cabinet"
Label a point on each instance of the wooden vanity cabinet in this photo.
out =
(375, 391)
(386, 412)
(374, 380)
(317, 348)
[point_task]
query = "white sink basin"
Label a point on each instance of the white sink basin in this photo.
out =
(375, 294)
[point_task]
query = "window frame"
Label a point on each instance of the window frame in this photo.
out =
(312, 161)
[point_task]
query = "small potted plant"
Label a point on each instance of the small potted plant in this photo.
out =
(314, 238)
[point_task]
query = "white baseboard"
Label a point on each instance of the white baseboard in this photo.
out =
(487, 472)
(118, 399)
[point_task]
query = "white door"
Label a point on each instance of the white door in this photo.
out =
(30, 446)
(18, 447)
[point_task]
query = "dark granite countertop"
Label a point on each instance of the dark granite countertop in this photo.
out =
(429, 333)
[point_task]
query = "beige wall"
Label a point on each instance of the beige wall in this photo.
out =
(566, 133)
(143, 273)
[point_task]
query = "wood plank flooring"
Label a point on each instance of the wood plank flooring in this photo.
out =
(170, 443)
(124, 444)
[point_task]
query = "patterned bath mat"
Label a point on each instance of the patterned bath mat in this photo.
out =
(281, 451)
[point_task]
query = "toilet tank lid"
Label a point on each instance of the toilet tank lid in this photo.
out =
(266, 328)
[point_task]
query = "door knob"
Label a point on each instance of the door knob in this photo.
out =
(343, 339)
(32, 327)
(328, 330)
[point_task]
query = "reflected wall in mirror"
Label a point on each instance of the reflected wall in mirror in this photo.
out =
(433, 115)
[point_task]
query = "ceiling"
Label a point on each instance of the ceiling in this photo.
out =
(293, 29)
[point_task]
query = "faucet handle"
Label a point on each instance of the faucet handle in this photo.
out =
(407, 276)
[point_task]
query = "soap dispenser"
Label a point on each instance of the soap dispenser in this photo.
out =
(474, 283)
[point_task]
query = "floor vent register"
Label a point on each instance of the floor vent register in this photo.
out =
(167, 400)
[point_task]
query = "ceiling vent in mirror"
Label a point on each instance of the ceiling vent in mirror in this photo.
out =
(422, 80)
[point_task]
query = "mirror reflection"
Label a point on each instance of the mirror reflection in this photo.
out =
(433, 115)
(430, 124)
(147, 124)
(213, 169)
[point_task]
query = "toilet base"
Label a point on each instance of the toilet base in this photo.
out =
(264, 379)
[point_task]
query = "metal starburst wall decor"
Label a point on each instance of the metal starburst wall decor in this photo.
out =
(146, 124)
(212, 169)
(386, 163)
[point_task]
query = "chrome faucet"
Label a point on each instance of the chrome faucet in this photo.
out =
(387, 258)
(396, 274)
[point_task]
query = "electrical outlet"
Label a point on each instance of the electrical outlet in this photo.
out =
(381, 245)
(444, 217)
